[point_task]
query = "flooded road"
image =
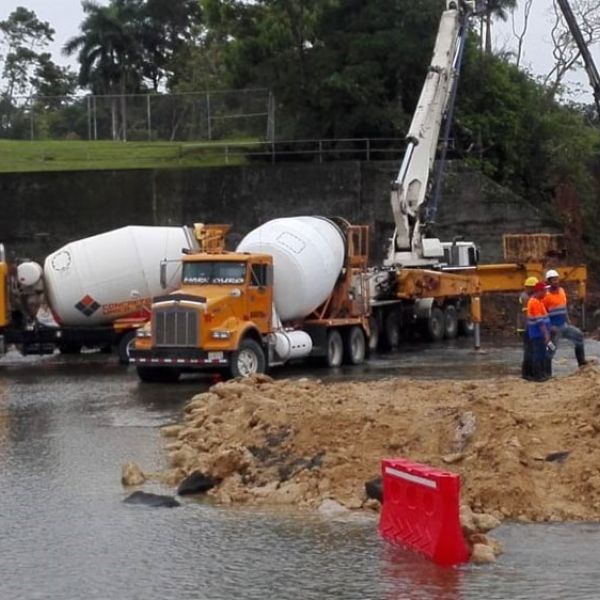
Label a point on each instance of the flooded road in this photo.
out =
(67, 424)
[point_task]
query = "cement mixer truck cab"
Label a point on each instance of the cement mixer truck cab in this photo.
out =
(293, 289)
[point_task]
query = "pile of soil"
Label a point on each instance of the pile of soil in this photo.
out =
(524, 450)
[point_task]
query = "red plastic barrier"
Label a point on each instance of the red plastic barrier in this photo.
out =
(420, 510)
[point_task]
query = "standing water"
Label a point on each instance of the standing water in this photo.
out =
(67, 426)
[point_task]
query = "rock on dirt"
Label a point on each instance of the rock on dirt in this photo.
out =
(131, 474)
(482, 554)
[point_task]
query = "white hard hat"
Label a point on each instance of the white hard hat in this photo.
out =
(552, 273)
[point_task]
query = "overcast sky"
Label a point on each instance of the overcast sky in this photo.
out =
(66, 15)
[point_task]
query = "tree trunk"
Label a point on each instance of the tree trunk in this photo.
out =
(488, 34)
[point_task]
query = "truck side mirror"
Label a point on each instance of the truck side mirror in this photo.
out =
(163, 274)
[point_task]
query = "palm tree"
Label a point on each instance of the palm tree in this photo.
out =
(497, 9)
(109, 53)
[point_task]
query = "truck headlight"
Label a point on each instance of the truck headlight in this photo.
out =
(221, 335)
(143, 333)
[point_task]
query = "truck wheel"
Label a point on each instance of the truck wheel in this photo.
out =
(391, 330)
(450, 322)
(466, 327)
(69, 348)
(158, 374)
(374, 336)
(335, 349)
(125, 345)
(355, 346)
(248, 359)
(436, 325)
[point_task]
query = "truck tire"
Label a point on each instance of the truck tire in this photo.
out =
(158, 374)
(355, 346)
(391, 330)
(374, 335)
(248, 359)
(436, 325)
(124, 346)
(450, 322)
(335, 349)
(466, 327)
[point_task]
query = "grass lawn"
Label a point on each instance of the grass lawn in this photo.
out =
(18, 156)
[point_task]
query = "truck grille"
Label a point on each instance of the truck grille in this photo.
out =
(175, 327)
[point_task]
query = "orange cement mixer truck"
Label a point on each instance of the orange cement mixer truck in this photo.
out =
(294, 288)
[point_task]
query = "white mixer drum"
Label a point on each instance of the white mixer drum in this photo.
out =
(308, 256)
(96, 280)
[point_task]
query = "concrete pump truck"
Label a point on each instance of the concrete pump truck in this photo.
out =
(301, 287)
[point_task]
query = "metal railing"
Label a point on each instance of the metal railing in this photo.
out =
(319, 150)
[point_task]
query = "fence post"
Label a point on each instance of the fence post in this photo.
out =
(149, 117)
(95, 119)
(89, 117)
(208, 127)
(271, 117)
(31, 124)
(368, 149)
(320, 151)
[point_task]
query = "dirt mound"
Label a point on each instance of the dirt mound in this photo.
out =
(524, 450)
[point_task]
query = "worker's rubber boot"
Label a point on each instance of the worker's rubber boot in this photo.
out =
(580, 355)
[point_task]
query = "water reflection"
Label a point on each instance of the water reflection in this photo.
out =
(66, 426)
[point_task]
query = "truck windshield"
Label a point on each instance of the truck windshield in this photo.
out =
(216, 272)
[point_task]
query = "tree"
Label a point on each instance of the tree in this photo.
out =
(23, 35)
(51, 82)
(170, 29)
(507, 128)
(495, 9)
(522, 31)
(109, 52)
(338, 69)
(566, 54)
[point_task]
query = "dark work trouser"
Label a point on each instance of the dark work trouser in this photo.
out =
(541, 362)
(526, 370)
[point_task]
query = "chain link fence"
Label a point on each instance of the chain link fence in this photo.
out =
(195, 116)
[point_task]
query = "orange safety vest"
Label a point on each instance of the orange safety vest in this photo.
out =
(537, 315)
(555, 302)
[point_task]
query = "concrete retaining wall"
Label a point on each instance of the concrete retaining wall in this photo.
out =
(42, 211)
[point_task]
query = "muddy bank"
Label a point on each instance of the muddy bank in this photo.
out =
(525, 451)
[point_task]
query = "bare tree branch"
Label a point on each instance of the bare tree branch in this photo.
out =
(521, 33)
(565, 51)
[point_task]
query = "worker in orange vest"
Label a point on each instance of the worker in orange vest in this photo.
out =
(538, 329)
(555, 302)
(528, 285)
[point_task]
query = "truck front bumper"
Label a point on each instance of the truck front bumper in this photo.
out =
(188, 358)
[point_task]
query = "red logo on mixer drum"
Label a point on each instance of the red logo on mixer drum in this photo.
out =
(87, 305)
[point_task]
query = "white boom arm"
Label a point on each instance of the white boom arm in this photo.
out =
(410, 190)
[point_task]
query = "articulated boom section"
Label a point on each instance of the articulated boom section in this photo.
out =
(410, 190)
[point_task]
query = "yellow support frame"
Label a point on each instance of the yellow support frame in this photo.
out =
(423, 283)
(509, 277)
